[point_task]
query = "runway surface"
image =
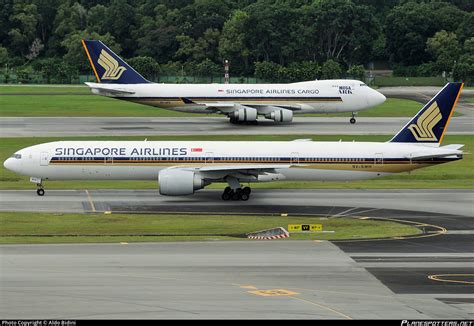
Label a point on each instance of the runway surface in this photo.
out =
(451, 201)
(428, 276)
(206, 125)
(214, 125)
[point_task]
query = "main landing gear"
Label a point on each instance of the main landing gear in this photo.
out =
(353, 120)
(235, 191)
(237, 194)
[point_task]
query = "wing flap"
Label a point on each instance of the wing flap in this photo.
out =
(242, 167)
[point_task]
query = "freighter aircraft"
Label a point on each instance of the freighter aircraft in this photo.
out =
(242, 103)
(182, 167)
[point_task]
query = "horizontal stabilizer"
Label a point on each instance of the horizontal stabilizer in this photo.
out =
(426, 155)
(100, 89)
(453, 146)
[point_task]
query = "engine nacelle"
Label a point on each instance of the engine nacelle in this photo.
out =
(282, 115)
(243, 113)
(178, 182)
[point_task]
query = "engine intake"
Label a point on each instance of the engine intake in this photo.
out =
(178, 182)
(282, 115)
(243, 113)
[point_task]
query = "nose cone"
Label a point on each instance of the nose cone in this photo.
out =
(378, 98)
(8, 164)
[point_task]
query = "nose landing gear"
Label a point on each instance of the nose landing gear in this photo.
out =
(40, 190)
(353, 120)
(39, 185)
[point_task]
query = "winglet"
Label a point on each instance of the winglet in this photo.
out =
(431, 122)
(109, 67)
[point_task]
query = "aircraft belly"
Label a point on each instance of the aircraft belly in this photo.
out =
(297, 174)
(101, 172)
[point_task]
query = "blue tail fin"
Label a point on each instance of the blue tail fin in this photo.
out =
(429, 125)
(109, 67)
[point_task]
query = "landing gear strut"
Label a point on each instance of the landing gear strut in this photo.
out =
(234, 191)
(353, 120)
(39, 185)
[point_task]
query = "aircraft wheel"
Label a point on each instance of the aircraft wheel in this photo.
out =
(40, 192)
(352, 120)
(227, 190)
(244, 196)
(226, 196)
(247, 190)
(235, 196)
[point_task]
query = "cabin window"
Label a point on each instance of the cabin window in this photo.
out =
(16, 156)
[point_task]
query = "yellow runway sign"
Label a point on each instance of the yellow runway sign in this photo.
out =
(305, 227)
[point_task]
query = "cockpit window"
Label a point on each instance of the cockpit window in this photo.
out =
(17, 156)
(362, 84)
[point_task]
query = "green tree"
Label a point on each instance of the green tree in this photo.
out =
(71, 18)
(267, 70)
(467, 57)
(233, 44)
(339, 29)
(206, 68)
(409, 25)
(24, 21)
(463, 72)
(331, 70)
(445, 49)
(146, 66)
(357, 72)
(3, 56)
(156, 33)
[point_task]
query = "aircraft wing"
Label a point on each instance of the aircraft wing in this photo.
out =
(227, 107)
(101, 89)
(242, 171)
(243, 167)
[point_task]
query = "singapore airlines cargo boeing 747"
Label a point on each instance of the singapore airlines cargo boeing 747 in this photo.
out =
(241, 103)
(183, 167)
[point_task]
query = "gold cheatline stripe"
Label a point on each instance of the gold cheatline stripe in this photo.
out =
(450, 114)
(90, 59)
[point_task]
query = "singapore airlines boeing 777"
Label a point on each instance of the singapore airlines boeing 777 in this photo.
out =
(240, 102)
(182, 167)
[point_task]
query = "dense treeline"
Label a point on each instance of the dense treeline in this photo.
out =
(274, 40)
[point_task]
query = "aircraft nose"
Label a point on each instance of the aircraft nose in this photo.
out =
(380, 98)
(8, 164)
(376, 98)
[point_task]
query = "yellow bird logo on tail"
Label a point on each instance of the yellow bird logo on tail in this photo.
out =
(423, 129)
(111, 66)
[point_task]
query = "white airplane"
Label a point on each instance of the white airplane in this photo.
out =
(241, 103)
(182, 167)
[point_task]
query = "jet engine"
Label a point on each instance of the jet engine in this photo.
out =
(178, 182)
(243, 113)
(282, 115)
